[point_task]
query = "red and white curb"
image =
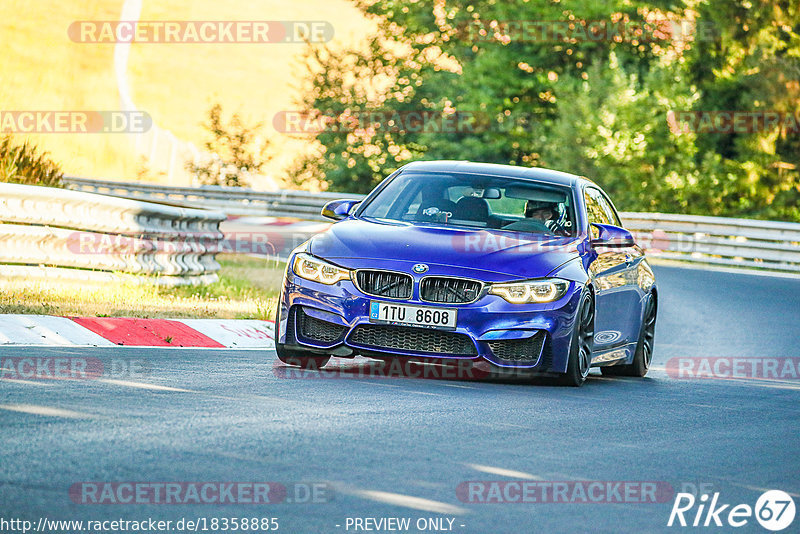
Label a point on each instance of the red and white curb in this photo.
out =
(46, 330)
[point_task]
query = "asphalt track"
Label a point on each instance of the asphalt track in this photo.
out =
(400, 447)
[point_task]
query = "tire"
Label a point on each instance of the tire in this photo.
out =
(296, 358)
(580, 352)
(644, 347)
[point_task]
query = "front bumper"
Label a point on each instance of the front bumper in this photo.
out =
(334, 319)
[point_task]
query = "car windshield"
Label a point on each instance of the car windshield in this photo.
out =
(474, 201)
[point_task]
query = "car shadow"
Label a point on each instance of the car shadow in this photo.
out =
(438, 370)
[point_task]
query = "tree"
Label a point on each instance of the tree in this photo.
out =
(235, 154)
(589, 101)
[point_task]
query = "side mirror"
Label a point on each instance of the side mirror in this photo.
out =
(608, 235)
(338, 209)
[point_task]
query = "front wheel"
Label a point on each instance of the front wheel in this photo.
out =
(644, 348)
(580, 352)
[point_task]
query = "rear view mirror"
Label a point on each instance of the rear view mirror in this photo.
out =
(338, 209)
(491, 193)
(608, 235)
(538, 194)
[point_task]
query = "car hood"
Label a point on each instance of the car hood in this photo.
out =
(356, 243)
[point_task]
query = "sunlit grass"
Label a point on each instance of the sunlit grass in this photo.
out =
(42, 69)
(247, 289)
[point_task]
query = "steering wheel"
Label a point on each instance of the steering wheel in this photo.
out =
(560, 225)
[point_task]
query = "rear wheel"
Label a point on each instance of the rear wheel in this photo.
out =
(644, 348)
(580, 352)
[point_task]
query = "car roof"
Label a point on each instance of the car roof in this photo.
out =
(494, 169)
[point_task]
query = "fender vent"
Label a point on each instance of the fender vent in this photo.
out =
(518, 350)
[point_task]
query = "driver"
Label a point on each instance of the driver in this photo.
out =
(544, 212)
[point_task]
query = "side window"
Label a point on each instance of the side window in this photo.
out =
(594, 209)
(609, 209)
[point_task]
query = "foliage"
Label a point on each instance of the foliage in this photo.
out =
(356, 159)
(596, 107)
(236, 153)
(25, 164)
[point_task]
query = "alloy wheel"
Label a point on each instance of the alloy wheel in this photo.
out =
(586, 337)
(649, 332)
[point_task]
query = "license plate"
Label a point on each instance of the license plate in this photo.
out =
(404, 314)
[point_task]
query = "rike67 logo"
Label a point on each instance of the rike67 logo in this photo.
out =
(774, 510)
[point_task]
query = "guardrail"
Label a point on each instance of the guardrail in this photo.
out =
(231, 200)
(747, 243)
(48, 232)
(721, 241)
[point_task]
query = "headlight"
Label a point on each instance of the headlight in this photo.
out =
(316, 270)
(543, 290)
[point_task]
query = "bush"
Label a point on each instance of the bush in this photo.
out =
(24, 164)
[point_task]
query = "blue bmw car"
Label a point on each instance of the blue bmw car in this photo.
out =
(516, 268)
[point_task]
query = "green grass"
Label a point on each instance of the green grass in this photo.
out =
(247, 289)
